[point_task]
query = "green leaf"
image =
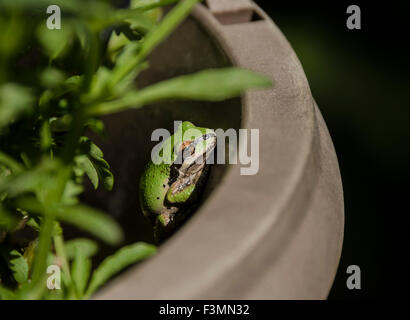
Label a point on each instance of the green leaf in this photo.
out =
(45, 136)
(52, 77)
(8, 221)
(38, 180)
(71, 84)
(98, 86)
(209, 85)
(31, 222)
(6, 294)
(9, 162)
(97, 169)
(88, 247)
(171, 21)
(94, 165)
(80, 271)
(122, 63)
(115, 44)
(96, 125)
(107, 178)
(27, 181)
(95, 152)
(18, 266)
(92, 220)
(16, 263)
(138, 22)
(121, 259)
(55, 41)
(30, 252)
(61, 124)
(12, 35)
(84, 163)
(71, 192)
(89, 219)
(14, 101)
(26, 160)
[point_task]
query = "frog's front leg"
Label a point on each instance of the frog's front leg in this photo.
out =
(174, 212)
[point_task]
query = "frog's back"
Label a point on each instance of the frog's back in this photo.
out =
(153, 187)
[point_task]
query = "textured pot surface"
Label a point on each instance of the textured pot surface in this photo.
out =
(274, 235)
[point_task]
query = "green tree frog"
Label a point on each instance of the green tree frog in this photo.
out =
(174, 178)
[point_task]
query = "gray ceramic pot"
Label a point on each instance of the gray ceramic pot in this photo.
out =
(275, 235)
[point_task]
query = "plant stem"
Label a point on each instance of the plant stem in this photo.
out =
(59, 247)
(149, 5)
(43, 249)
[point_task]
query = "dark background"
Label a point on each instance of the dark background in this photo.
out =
(360, 80)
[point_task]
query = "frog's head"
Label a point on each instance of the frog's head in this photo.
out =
(197, 151)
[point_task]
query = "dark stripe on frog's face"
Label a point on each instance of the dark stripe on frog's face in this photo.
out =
(192, 156)
(190, 171)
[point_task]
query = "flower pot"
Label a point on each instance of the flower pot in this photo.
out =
(274, 235)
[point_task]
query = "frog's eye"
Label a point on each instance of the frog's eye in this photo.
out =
(182, 146)
(183, 150)
(186, 149)
(208, 136)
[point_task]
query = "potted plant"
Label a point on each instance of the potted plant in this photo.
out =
(276, 234)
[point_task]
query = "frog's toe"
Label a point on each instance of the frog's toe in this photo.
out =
(164, 226)
(164, 219)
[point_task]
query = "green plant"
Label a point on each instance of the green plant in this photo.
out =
(54, 84)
